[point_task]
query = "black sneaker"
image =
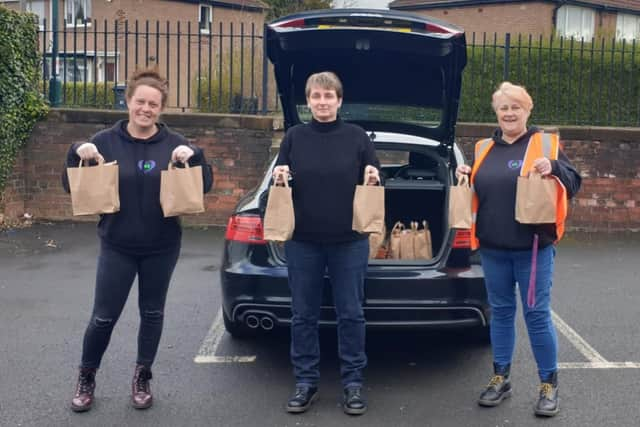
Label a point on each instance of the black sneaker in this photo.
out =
(498, 389)
(302, 399)
(548, 403)
(354, 403)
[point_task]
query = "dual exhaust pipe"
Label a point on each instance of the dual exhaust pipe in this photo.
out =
(259, 320)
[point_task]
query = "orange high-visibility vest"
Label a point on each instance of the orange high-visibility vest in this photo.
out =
(540, 145)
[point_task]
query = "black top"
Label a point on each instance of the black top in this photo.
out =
(140, 223)
(327, 161)
(495, 186)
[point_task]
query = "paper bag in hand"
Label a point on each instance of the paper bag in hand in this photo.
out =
(181, 190)
(94, 189)
(368, 209)
(536, 199)
(279, 218)
(460, 204)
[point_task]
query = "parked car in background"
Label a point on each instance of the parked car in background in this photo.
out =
(402, 76)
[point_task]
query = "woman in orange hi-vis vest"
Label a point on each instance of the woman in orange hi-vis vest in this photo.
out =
(518, 253)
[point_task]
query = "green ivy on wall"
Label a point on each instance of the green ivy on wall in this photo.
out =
(21, 104)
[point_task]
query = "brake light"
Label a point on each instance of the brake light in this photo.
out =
(293, 23)
(439, 29)
(245, 229)
(462, 239)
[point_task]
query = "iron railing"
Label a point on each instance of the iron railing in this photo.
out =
(223, 68)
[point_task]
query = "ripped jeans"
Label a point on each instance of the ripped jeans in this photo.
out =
(116, 271)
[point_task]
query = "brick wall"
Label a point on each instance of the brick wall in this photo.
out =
(238, 147)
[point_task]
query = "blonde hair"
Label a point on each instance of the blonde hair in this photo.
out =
(326, 80)
(515, 93)
(148, 77)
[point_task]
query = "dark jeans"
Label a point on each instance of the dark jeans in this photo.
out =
(346, 264)
(114, 278)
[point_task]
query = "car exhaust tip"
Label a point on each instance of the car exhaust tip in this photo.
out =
(266, 323)
(252, 321)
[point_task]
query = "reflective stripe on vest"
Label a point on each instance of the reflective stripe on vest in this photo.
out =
(540, 144)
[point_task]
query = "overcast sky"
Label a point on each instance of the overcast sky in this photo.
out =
(372, 4)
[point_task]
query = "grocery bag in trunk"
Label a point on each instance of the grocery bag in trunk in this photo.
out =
(394, 240)
(94, 189)
(460, 204)
(368, 209)
(181, 190)
(422, 241)
(279, 218)
(376, 242)
(536, 199)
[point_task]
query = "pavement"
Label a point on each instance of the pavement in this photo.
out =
(203, 377)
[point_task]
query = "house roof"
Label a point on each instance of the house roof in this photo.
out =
(612, 5)
(249, 5)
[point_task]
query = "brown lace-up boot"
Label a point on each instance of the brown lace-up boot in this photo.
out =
(83, 399)
(141, 397)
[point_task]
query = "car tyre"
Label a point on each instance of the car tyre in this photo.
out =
(235, 329)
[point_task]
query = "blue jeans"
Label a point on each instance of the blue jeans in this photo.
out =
(346, 263)
(502, 270)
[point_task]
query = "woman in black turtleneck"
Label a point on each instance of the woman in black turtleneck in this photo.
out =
(326, 159)
(508, 248)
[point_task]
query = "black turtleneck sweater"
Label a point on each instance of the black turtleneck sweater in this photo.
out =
(140, 224)
(495, 185)
(327, 160)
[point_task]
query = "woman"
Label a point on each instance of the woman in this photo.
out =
(506, 256)
(326, 158)
(137, 240)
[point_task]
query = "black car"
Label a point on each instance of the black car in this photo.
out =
(401, 75)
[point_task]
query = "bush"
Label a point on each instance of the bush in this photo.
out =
(21, 104)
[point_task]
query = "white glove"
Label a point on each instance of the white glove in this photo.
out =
(88, 151)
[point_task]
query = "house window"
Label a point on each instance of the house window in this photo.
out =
(627, 27)
(37, 7)
(78, 12)
(574, 21)
(204, 20)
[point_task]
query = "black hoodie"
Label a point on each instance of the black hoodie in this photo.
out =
(495, 185)
(140, 224)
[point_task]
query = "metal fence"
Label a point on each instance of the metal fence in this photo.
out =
(224, 69)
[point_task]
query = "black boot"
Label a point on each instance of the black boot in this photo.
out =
(302, 398)
(548, 403)
(83, 399)
(354, 403)
(498, 389)
(141, 397)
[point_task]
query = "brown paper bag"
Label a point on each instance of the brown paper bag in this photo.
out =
(94, 189)
(375, 242)
(536, 199)
(368, 209)
(394, 240)
(460, 204)
(422, 241)
(279, 217)
(407, 250)
(181, 190)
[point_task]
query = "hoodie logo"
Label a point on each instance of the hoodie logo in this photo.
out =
(146, 166)
(514, 164)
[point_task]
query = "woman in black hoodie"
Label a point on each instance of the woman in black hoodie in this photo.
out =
(512, 252)
(137, 240)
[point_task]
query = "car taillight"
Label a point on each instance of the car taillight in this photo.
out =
(293, 23)
(462, 239)
(245, 229)
(439, 29)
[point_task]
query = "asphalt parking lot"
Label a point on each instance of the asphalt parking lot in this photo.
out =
(204, 378)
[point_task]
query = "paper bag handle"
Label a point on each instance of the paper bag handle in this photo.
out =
(463, 180)
(284, 179)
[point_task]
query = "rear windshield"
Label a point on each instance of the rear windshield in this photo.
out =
(424, 116)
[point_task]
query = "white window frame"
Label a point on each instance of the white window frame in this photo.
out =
(70, 10)
(587, 19)
(200, 19)
(624, 22)
(29, 8)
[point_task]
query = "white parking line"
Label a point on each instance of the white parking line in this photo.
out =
(207, 352)
(595, 359)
